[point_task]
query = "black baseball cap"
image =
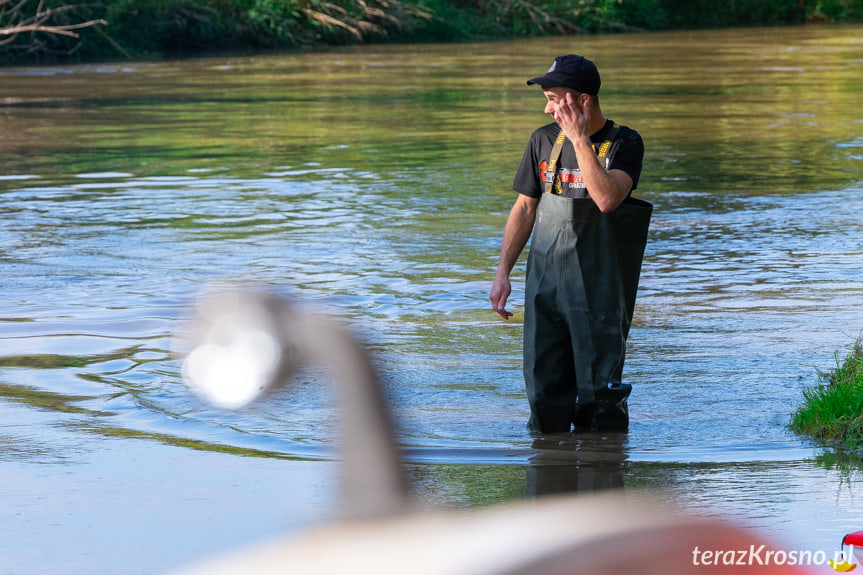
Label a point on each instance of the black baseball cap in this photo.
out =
(571, 71)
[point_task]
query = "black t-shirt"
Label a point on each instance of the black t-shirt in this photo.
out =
(626, 153)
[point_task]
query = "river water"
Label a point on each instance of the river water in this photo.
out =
(372, 184)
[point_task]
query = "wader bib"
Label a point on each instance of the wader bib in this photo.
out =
(582, 277)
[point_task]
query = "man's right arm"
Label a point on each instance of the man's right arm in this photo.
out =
(519, 226)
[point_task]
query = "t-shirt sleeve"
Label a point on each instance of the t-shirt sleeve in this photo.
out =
(629, 155)
(527, 178)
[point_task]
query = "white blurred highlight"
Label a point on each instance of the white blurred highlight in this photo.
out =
(236, 349)
(233, 375)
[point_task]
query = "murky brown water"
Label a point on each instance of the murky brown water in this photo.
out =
(373, 183)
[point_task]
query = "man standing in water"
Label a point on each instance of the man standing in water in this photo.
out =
(574, 183)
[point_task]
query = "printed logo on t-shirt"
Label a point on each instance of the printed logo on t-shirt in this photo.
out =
(570, 178)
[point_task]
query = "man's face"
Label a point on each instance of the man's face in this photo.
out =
(557, 95)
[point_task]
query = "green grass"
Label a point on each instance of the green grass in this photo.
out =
(832, 412)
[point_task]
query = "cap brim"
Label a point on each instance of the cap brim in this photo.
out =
(548, 81)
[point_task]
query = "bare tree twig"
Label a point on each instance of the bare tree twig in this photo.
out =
(29, 31)
(65, 30)
(327, 20)
(113, 42)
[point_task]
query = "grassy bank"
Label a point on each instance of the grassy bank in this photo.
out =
(60, 29)
(832, 412)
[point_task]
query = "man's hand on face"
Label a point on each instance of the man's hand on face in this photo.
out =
(572, 113)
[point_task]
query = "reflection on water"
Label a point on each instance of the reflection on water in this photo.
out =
(372, 183)
(577, 463)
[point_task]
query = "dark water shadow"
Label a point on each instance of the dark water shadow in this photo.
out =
(577, 462)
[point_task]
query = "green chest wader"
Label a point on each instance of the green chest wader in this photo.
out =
(582, 278)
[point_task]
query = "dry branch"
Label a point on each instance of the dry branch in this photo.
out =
(328, 20)
(37, 27)
(61, 30)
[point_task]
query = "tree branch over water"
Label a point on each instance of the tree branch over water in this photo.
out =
(34, 32)
(364, 20)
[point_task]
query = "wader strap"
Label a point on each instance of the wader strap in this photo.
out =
(601, 153)
(552, 162)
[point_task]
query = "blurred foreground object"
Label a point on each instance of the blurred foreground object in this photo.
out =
(244, 343)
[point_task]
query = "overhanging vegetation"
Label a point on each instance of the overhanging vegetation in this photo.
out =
(57, 29)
